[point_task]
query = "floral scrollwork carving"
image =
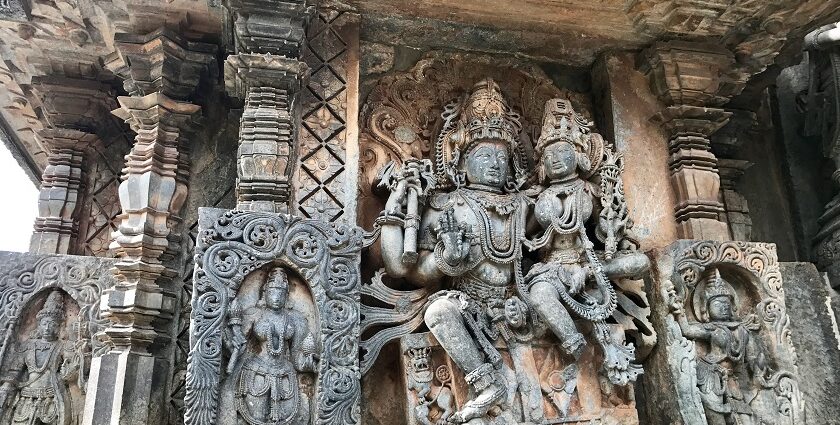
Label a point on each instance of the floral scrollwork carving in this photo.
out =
(325, 255)
(728, 300)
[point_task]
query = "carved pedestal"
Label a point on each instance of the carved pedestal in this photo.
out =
(546, 385)
(726, 352)
(290, 359)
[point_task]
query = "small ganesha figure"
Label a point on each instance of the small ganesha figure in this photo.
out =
(582, 184)
(270, 345)
(35, 384)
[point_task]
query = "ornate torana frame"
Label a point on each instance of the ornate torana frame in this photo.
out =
(760, 261)
(83, 278)
(325, 255)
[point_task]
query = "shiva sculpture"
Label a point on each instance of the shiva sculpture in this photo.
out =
(570, 154)
(36, 379)
(735, 355)
(476, 219)
(472, 233)
(270, 345)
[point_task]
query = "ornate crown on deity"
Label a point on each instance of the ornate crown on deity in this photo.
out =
(488, 117)
(561, 123)
(277, 279)
(483, 115)
(717, 287)
(53, 307)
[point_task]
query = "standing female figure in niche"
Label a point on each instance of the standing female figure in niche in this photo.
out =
(270, 344)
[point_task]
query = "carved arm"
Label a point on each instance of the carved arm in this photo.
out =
(303, 345)
(237, 341)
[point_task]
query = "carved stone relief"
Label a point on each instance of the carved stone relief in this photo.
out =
(503, 346)
(263, 353)
(51, 328)
(402, 113)
(728, 351)
(328, 162)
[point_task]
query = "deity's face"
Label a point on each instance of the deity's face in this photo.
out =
(48, 329)
(488, 164)
(559, 161)
(275, 298)
(720, 309)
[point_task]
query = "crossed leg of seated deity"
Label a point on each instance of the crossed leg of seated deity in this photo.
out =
(444, 319)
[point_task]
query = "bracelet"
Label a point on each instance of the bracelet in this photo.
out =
(393, 219)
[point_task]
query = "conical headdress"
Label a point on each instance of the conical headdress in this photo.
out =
(53, 307)
(484, 115)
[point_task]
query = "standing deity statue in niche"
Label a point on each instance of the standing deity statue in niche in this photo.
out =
(569, 156)
(472, 233)
(35, 388)
(734, 356)
(270, 345)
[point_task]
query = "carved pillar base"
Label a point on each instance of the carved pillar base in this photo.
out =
(57, 224)
(126, 388)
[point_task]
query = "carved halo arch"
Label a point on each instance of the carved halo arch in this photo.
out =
(324, 255)
(755, 264)
(77, 279)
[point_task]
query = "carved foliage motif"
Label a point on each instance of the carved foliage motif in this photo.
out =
(323, 190)
(752, 273)
(325, 256)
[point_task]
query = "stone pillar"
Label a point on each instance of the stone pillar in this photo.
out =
(267, 76)
(74, 110)
(822, 123)
(693, 81)
(161, 71)
(57, 224)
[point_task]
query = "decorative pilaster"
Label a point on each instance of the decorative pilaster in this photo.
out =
(693, 80)
(74, 110)
(57, 224)
(267, 76)
(822, 122)
(267, 133)
(161, 71)
(727, 145)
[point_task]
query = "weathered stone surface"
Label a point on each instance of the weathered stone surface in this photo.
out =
(726, 338)
(49, 304)
(325, 258)
(627, 104)
(812, 307)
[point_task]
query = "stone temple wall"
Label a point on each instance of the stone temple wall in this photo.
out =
(374, 212)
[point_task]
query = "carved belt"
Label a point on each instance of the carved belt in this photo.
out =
(478, 290)
(37, 392)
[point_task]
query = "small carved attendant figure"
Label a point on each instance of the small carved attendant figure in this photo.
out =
(732, 351)
(569, 155)
(274, 344)
(40, 370)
